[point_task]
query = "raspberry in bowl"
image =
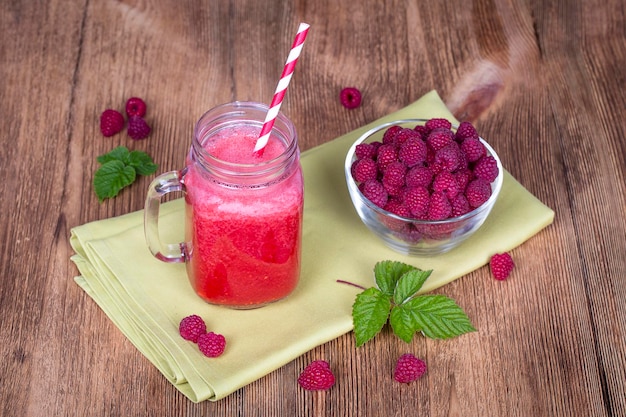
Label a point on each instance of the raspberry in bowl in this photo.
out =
(423, 186)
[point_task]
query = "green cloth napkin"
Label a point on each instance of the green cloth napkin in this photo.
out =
(146, 299)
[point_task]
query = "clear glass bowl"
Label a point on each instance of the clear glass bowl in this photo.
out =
(411, 236)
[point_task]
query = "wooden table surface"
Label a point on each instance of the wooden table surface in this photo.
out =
(543, 81)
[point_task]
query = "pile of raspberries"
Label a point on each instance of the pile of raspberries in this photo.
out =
(429, 172)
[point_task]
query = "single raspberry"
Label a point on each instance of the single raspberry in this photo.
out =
(417, 200)
(463, 163)
(473, 149)
(463, 177)
(465, 131)
(192, 327)
(445, 182)
(439, 138)
(374, 191)
(111, 122)
(477, 192)
(439, 208)
(437, 123)
(422, 131)
(412, 152)
(386, 155)
(409, 368)
(135, 107)
(419, 176)
(212, 344)
(350, 97)
(405, 134)
(365, 150)
(389, 137)
(501, 265)
(138, 128)
(409, 234)
(393, 177)
(460, 205)
(317, 376)
(364, 169)
(486, 168)
(449, 157)
(397, 207)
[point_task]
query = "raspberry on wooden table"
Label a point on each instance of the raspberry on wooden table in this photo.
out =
(317, 376)
(409, 368)
(135, 107)
(350, 97)
(111, 122)
(138, 128)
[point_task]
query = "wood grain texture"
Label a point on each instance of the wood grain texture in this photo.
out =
(543, 81)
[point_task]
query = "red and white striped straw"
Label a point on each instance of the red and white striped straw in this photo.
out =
(281, 88)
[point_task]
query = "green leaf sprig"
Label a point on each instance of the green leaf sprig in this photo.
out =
(119, 169)
(396, 300)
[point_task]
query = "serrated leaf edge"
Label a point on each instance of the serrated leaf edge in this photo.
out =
(451, 324)
(409, 284)
(367, 305)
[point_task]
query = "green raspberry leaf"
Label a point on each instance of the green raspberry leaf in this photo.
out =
(437, 317)
(409, 284)
(402, 323)
(142, 162)
(119, 169)
(111, 177)
(370, 312)
(396, 300)
(120, 153)
(387, 274)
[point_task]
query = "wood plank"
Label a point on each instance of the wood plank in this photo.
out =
(542, 81)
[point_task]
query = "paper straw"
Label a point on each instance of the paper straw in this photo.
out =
(281, 88)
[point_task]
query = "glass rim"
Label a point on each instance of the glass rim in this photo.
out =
(219, 117)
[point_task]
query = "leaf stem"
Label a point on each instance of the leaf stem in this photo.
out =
(340, 281)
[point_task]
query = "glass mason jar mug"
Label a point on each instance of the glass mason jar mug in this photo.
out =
(243, 221)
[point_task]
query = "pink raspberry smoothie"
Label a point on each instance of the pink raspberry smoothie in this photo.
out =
(244, 242)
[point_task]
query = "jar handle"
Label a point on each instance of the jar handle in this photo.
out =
(161, 185)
